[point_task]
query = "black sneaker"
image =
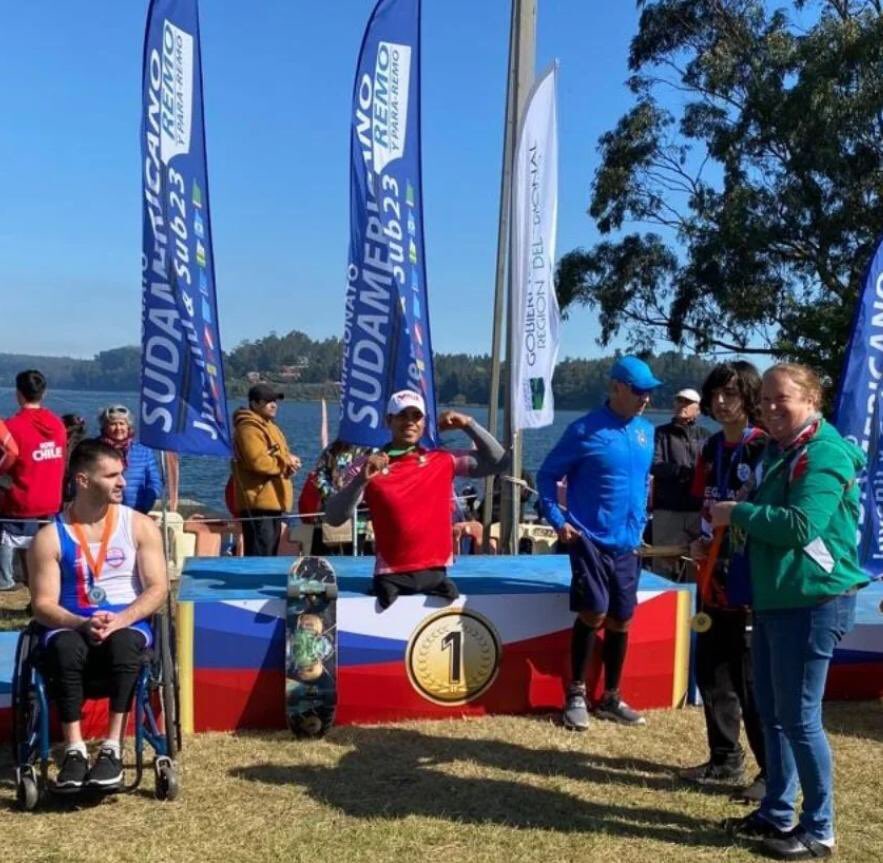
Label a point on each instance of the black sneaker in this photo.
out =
(612, 707)
(107, 771)
(753, 793)
(797, 845)
(710, 773)
(752, 826)
(72, 774)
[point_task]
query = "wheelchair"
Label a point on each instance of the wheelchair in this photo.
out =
(156, 692)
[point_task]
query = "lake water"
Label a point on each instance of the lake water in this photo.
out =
(203, 478)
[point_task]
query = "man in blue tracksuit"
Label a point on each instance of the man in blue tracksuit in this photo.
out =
(606, 457)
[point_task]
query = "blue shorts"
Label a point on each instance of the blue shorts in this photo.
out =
(601, 582)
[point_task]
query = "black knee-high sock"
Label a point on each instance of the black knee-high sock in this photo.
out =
(613, 654)
(581, 643)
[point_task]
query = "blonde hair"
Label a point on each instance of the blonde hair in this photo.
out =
(806, 380)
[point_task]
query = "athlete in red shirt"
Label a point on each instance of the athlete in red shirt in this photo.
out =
(33, 492)
(409, 491)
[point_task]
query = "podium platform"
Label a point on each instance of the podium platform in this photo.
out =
(857, 667)
(511, 629)
(502, 647)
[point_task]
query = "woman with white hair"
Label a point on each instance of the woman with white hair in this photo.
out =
(143, 480)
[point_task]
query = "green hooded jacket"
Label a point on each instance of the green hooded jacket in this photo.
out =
(801, 523)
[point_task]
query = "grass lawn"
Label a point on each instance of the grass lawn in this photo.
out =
(501, 788)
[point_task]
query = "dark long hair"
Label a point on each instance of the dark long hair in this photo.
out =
(748, 383)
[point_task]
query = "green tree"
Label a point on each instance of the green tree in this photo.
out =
(751, 160)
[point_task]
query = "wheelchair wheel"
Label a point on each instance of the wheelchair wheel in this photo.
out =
(166, 781)
(27, 793)
(168, 684)
(24, 699)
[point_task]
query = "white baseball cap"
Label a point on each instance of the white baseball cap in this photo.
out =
(405, 399)
(689, 394)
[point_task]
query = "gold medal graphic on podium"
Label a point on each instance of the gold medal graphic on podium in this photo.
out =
(701, 622)
(453, 656)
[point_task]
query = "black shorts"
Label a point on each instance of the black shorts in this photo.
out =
(602, 582)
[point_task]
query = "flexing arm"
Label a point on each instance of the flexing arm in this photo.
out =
(45, 582)
(488, 457)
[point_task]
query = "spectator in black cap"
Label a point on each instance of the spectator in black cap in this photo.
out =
(262, 468)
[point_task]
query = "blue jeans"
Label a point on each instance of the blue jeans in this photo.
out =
(792, 650)
(7, 563)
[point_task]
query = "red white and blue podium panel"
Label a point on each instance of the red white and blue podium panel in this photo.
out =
(857, 668)
(502, 647)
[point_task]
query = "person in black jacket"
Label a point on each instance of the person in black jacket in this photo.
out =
(675, 510)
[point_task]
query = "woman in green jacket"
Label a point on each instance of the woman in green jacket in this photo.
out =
(800, 537)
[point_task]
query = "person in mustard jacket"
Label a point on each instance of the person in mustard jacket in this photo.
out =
(799, 538)
(262, 468)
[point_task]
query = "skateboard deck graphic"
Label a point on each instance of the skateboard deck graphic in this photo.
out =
(311, 647)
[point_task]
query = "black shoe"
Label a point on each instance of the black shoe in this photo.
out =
(107, 771)
(710, 773)
(753, 793)
(796, 845)
(753, 826)
(72, 774)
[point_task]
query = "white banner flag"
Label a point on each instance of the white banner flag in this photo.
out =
(534, 313)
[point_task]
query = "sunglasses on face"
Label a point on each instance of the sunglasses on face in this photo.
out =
(639, 392)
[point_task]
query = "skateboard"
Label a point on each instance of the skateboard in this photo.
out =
(311, 647)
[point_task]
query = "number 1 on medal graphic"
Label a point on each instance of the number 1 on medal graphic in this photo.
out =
(453, 656)
(454, 641)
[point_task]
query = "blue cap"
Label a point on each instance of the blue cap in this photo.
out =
(634, 372)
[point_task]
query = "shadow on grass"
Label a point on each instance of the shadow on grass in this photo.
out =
(862, 719)
(393, 773)
(67, 803)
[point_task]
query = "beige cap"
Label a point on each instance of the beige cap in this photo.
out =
(689, 394)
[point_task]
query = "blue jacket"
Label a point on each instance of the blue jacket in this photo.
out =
(606, 461)
(143, 480)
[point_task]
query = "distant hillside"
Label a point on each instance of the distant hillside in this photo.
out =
(308, 369)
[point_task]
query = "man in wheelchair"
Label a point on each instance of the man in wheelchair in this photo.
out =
(97, 575)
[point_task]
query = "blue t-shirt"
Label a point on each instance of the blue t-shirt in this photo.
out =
(606, 461)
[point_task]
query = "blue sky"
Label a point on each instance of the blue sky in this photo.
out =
(278, 80)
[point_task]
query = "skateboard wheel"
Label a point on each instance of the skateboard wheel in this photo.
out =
(311, 623)
(701, 622)
(308, 673)
(308, 726)
(330, 592)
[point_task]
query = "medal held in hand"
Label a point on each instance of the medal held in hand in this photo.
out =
(701, 622)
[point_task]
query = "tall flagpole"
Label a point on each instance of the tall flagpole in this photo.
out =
(522, 48)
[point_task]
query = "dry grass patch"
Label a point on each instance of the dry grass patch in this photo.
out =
(13, 608)
(503, 788)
